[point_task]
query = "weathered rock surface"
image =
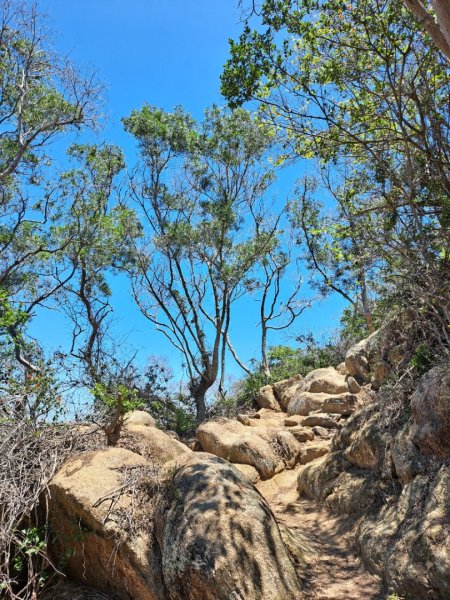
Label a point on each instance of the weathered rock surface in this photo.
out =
(91, 536)
(219, 537)
(284, 390)
(430, 407)
(304, 403)
(249, 472)
(73, 592)
(327, 381)
(320, 420)
(269, 450)
(140, 435)
(411, 547)
(316, 480)
(313, 451)
(408, 462)
(266, 398)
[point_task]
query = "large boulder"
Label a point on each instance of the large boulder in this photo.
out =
(430, 408)
(411, 547)
(140, 434)
(219, 537)
(327, 380)
(320, 420)
(362, 440)
(87, 508)
(316, 480)
(266, 398)
(406, 457)
(304, 403)
(360, 356)
(287, 388)
(269, 450)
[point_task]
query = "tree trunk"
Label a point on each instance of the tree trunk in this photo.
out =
(264, 358)
(200, 405)
(198, 392)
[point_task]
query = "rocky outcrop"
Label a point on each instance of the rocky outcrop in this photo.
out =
(430, 407)
(219, 538)
(189, 528)
(307, 402)
(393, 477)
(408, 541)
(325, 381)
(269, 450)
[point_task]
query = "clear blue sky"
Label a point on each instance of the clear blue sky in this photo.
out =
(165, 53)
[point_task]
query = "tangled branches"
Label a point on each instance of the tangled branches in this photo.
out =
(29, 457)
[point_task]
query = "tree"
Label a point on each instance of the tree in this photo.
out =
(279, 289)
(42, 94)
(355, 83)
(41, 97)
(197, 186)
(336, 255)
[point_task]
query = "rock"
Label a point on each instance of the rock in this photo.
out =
(353, 385)
(73, 592)
(344, 404)
(305, 403)
(430, 408)
(293, 421)
(411, 547)
(351, 493)
(267, 418)
(316, 480)
(321, 431)
(140, 435)
(300, 548)
(310, 453)
(138, 417)
(269, 450)
(86, 499)
(368, 446)
(408, 462)
(219, 537)
(284, 390)
(341, 369)
(325, 381)
(266, 398)
(193, 444)
(320, 420)
(302, 434)
(244, 419)
(249, 472)
(358, 356)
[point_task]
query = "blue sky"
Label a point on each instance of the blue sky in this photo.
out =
(165, 53)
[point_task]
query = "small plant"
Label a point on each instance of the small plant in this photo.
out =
(422, 359)
(116, 401)
(32, 543)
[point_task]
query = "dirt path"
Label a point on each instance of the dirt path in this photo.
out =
(334, 572)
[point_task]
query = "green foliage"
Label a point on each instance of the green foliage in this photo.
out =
(423, 358)
(199, 185)
(117, 398)
(32, 543)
